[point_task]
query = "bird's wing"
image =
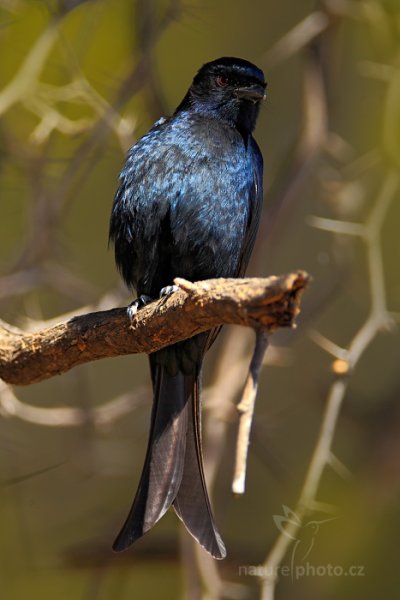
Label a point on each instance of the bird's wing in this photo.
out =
(141, 205)
(255, 205)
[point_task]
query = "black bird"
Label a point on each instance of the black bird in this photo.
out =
(188, 205)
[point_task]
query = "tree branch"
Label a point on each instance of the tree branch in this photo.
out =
(270, 303)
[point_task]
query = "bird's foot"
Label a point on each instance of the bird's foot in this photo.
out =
(136, 304)
(168, 290)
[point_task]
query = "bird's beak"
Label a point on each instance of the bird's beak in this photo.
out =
(254, 93)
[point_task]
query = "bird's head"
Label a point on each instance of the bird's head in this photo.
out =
(229, 88)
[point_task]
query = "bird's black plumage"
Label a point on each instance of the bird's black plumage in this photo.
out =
(188, 205)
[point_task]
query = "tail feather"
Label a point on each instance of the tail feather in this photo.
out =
(192, 504)
(163, 466)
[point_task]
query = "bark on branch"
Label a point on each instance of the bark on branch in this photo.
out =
(270, 303)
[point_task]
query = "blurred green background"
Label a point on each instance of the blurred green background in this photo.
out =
(79, 83)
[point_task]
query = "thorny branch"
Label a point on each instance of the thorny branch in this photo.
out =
(345, 361)
(312, 32)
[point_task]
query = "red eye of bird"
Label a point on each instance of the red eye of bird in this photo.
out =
(221, 81)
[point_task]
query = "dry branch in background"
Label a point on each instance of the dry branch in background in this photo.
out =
(246, 411)
(346, 359)
(270, 303)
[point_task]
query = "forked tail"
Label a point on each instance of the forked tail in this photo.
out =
(173, 467)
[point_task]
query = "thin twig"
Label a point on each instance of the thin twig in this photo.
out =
(12, 407)
(246, 410)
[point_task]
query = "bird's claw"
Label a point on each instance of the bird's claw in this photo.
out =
(136, 304)
(168, 290)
